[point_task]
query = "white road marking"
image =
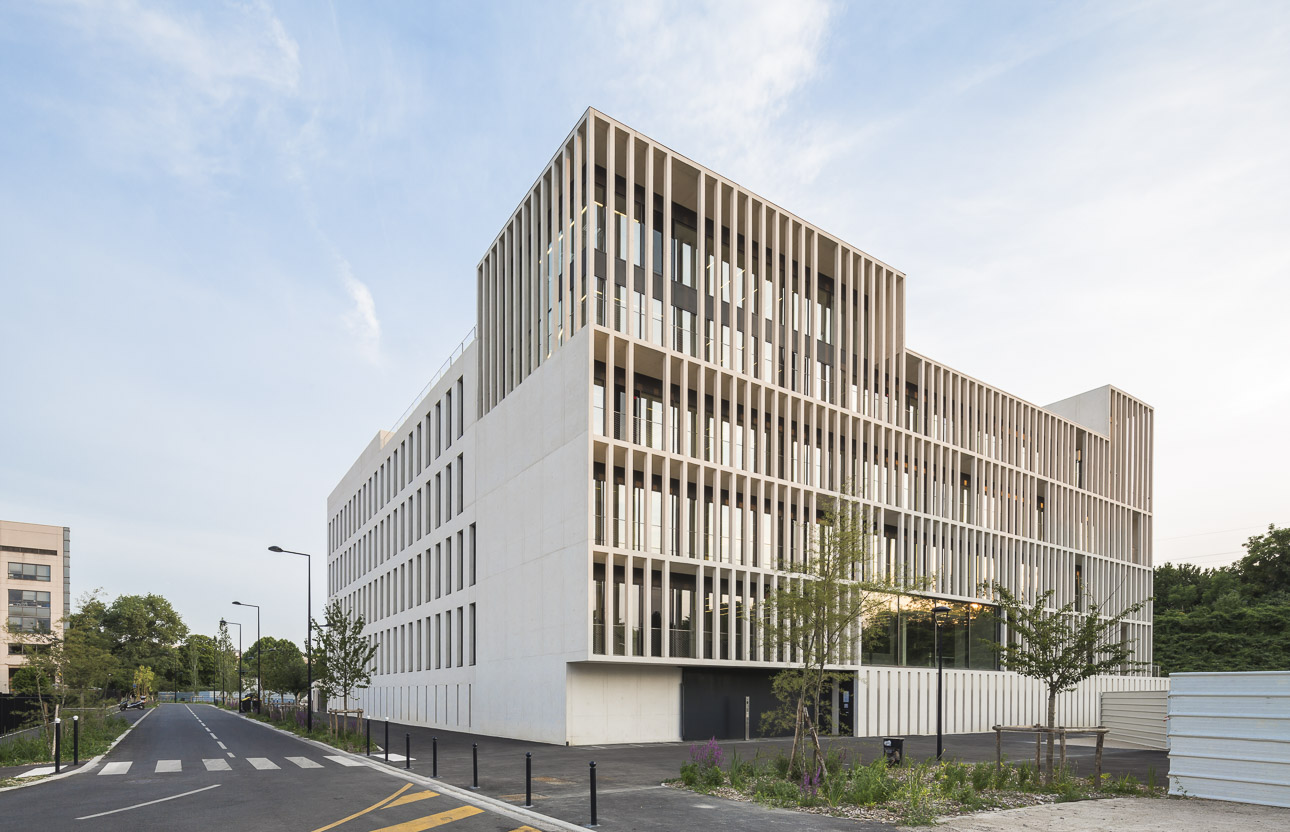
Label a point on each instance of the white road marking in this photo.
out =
(231, 754)
(38, 772)
(116, 768)
(212, 733)
(217, 764)
(262, 763)
(169, 765)
(304, 762)
(149, 803)
(344, 761)
(222, 745)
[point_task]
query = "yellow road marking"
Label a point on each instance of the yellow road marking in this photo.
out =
(431, 821)
(371, 808)
(411, 798)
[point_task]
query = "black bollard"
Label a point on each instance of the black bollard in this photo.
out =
(434, 756)
(387, 740)
(407, 751)
(76, 740)
(593, 794)
(528, 779)
(369, 736)
(58, 745)
(474, 753)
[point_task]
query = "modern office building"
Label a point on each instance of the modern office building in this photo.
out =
(38, 585)
(572, 534)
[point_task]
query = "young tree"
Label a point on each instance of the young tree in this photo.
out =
(813, 618)
(143, 681)
(343, 657)
(1060, 647)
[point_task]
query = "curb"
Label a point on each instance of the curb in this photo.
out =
(88, 765)
(483, 801)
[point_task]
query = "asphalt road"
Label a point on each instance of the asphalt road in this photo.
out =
(195, 767)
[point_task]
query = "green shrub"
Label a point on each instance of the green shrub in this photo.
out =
(1128, 784)
(778, 792)
(982, 776)
(871, 784)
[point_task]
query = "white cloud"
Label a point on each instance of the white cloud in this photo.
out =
(713, 80)
(190, 92)
(361, 320)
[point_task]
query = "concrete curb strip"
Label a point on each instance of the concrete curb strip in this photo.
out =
(88, 765)
(501, 807)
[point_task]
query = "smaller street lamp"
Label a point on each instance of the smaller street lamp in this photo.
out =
(259, 655)
(938, 613)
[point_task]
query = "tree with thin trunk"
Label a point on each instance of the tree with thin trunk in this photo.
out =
(343, 653)
(1060, 646)
(812, 620)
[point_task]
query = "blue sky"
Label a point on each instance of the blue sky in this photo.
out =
(237, 238)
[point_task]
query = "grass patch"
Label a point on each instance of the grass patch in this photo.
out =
(294, 721)
(98, 731)
(914, 795)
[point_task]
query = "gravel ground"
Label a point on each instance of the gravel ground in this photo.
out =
(1128, 813)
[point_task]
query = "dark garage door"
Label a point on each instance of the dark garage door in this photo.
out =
(712, 702)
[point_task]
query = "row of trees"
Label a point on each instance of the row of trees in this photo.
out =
(137, 644)
(1232, 618)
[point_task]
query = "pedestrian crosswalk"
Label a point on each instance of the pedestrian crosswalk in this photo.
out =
(117, 767)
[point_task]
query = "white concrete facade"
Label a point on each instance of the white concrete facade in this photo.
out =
(35, 581)
(642, 436)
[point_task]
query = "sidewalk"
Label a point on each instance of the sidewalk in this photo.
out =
(629, 777)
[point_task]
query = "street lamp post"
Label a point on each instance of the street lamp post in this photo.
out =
(938, 612)
(224, 623)
(259, 656)
(309, 631)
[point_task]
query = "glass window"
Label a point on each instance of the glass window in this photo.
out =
(28, 571)
(29, 610)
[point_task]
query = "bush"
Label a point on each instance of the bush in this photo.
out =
(871, 784)
(778, 793)
(983, 776)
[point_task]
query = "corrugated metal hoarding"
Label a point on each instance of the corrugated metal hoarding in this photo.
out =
(1136, 717)
(1229, 736)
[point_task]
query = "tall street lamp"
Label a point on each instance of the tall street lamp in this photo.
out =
(259, 656)
(224, 623)
(309, 630)
(938, 612)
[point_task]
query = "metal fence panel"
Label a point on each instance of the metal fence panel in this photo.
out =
(1229, 736)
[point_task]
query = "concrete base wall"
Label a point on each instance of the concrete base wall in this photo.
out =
(623, 703)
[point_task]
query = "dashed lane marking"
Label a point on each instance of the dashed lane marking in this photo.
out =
(222, 745)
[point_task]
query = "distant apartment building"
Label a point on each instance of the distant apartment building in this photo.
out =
(37, 583)
(571, 536)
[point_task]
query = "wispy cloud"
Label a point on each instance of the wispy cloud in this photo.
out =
(361, 319)
(716, 78)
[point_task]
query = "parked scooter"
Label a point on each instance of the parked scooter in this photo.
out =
(127, 705)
